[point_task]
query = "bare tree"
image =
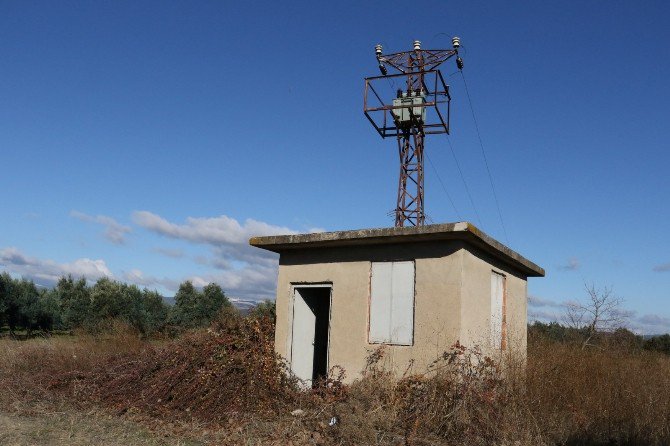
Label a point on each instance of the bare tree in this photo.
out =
(601, 313)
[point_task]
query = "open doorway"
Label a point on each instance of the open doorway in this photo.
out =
(311, 323)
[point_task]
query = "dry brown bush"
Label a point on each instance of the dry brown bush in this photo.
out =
(213, 374)
(228, 380)
(29, 369)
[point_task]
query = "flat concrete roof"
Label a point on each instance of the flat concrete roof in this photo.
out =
(362, 237)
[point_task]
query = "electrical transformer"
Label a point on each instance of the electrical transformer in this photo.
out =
(412, 106)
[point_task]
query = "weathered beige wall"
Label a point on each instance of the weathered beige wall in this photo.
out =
(441, 317)
(476, 303)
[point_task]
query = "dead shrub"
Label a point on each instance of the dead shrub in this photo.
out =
(229, 379)
(209, 374)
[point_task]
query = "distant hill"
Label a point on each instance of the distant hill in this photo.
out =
(244, 306)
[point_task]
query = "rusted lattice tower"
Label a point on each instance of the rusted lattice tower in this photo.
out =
(418, 107)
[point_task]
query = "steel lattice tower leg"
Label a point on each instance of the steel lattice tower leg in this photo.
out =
(409, 210)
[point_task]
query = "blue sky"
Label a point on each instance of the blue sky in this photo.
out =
(147, 140)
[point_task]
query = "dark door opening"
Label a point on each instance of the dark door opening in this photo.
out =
(318, 301)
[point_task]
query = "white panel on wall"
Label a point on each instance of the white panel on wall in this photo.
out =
(497, 291)
(392, 303)
(402, 304)
(380, 301)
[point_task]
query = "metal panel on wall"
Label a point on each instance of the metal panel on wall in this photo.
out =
(392, 303)
(497, 292)
(402, 304)
(380, 301)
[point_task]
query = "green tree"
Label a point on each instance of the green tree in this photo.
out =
(28, 304)
(107, 302)
(212, 300)
(74, 298)
(115, 300)
(183, 311)
(49, 315)
(658, 343)
(156, 311)
(11, 303)
(5, 288)
(267, 308)
(194, 308)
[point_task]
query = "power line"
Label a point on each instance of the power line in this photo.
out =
(481, 144)
(458, 215)
(465, 184)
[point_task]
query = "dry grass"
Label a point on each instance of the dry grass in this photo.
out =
(599, 397)
(74, 428)
(225, 386)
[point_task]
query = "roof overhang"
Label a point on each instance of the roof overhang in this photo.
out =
(364, 237)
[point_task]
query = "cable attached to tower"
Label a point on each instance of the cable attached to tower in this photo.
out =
(481, 145)
(465, 184)
(444, 188)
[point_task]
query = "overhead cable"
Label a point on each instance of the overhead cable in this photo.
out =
(444, 188)
(465, 184)
(481, 145)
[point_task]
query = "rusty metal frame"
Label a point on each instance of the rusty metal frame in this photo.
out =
(437, 97)
(415, 68)
(430, 59)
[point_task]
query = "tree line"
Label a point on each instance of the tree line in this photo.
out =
(621, 338)
(74, 304)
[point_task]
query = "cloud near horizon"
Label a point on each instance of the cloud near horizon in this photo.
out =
(46, 272)
(115, 232)
(241, 270)
(217, 231)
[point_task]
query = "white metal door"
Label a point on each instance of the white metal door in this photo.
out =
(497, 302)
(302, 350)
(392, 303)
(402, 306)
(381, 301)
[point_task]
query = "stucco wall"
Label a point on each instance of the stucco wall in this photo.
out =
(441, 315)
(476, 303)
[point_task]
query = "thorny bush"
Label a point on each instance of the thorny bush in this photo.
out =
(229, 378)
(208, 374)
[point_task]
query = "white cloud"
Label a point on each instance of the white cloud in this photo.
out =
(138, 277)
(537, 301)
(241, 270)
(573, 264)
(650, 323)
(115, 232)
(544, 316)
(221, 230)
(251, 282)
(168, 252)
(47, 272)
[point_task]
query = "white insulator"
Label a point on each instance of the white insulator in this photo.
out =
(378, 50)
(417, 45)
(456, 42)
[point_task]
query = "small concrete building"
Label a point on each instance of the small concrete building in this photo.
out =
(416, 290)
